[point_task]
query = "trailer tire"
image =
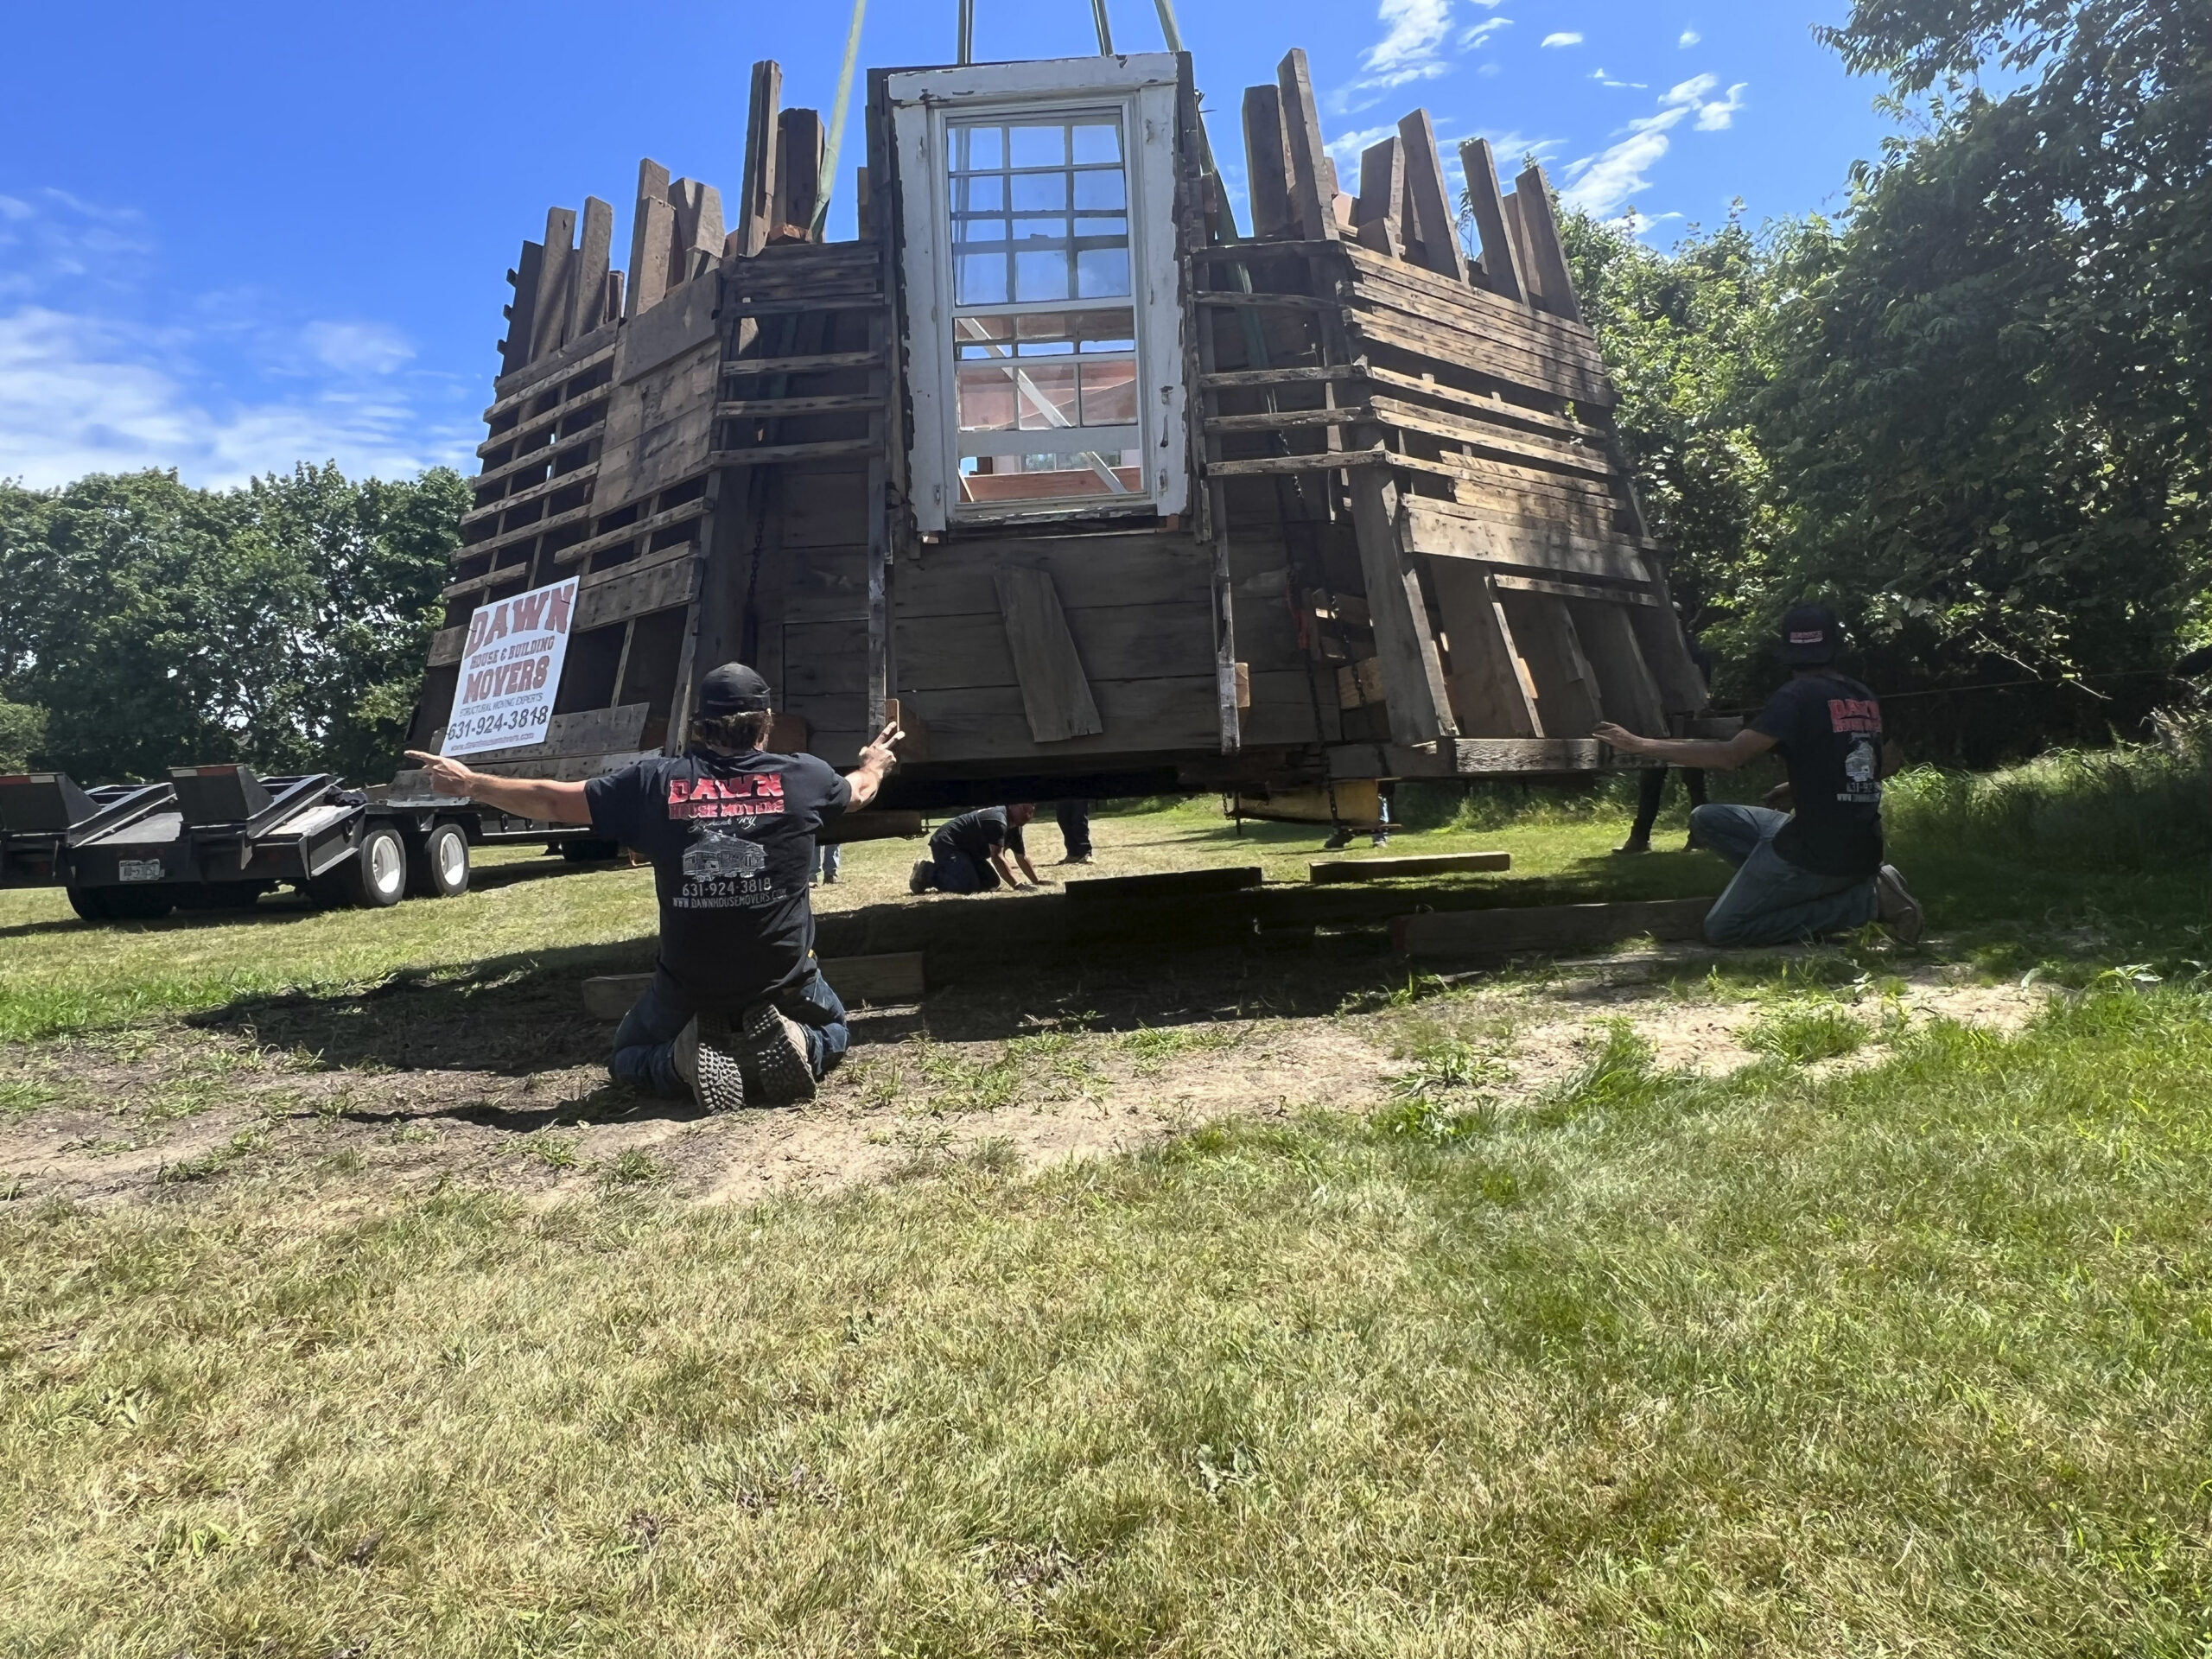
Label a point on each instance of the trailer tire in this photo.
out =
(585, 850)
(89, 903)
(438, 866)
(375, 878)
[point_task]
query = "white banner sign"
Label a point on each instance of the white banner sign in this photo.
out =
(510, 671)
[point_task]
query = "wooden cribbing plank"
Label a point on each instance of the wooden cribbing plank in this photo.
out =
(895, 977)
(1501, 268)
(1267, 164)
(1546, 928)
(1427, 223)
(1539, 232)
(1164, 884)
(1325, 870)
(1312, 175)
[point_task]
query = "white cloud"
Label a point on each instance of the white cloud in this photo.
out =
(1561, 37)
(88, 385)
(1690, 37)
(1719, 115)
(1604, 183)
(1347, 147)
(1410, 49)
(1490, 69)
(1478, 33)
(1602, 78)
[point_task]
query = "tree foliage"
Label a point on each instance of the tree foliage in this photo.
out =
(283, 624)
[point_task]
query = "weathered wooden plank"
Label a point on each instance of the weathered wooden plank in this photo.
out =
(1513, 449)
(1555, 288)
(582, 475)
(1233, 378)
(544, 455)
(552, 328)
(767, 408)
(1131, 568)
(799, 140)
(1546, 929)
(652, 229)
(1284, 419)
(627, 593)
(1382, 198)
(1625, 686)
(1429, 227)
(1325, 870)
(1328, 461)
(594, 259)
(1412, 674)
(1055, 691)
(1124, 642)
(1378, 318)
(1566, 687)
(1492, 693)
(1492, 409)
(1267, 164)
(1474, 307)
(756, 199)
(819, 363)
(776, 454)
(521, 313)
(1474, 757)
(1501, 269)
(1164, 884)
(1622, 598)
(1141, 717)
(1449, 530)
(1309, 157)
(512, 390)
(630, 532)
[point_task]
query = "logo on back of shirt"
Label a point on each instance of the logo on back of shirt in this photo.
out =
(1854, 715)
(748, 794)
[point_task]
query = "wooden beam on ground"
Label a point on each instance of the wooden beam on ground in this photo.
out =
(1267, 164)
(1547, 929)
(1501, 266)
(1310, 171)
(1325, 870)
(896, 977)
(1430, 228)
(1164, 884)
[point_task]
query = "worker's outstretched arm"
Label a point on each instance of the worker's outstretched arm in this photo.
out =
(526, 798)
(1706, 754)
(1029, 870)
(876, 761)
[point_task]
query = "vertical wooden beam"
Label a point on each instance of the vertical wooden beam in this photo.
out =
(1501, 264)
(1566, 687)
(1492, 695)
(1625, 686)
(522, 314)
(594, 258)
(799, 143)
(652, 231)
(1311, 174)
(556, 284)
(697, 242)
(1430, 226)
(1418, 703)
(878, 526)
(1267, 164)
(756, 198)
(1539, 232)
(1378, 215)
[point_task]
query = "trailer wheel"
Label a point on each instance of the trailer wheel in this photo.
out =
(438, 868)
(122, 904)
(588, 850)
(375, 878)
(89, 903)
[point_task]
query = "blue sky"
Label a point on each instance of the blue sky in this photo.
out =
(237, 235)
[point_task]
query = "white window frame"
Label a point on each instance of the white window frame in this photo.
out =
(925, 103)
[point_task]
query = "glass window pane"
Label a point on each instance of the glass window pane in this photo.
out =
(1110, 394)
(983, 194)
(981, 279)
(1095, 225)
(987, 398)
(1045, 277)
(1040, 193)
(1112, 330)
(979, 228)
(1100, 273)
(1099, 188)
(978, 147)
(1099, 141)
(1040, 229)
(1047, 392)
(1040, 145)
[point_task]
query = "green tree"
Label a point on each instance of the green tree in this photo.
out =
(23, 735)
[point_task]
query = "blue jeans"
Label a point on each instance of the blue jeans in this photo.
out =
(957, 872)
(1772, 901)
(645, 1043)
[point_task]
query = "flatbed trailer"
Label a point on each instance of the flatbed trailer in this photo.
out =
(220, 836)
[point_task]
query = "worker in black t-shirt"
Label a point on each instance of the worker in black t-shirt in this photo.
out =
(1819, 868)
(738, 1012)
(968, 854)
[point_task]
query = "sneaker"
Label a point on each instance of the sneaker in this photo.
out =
(1632, 847)
(1078, 858)
(1895, 908)
(923, 877)
(707, 1068)
(775, 1048)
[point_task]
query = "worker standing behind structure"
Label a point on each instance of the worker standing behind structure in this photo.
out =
(1818, 868)
(968, 854)
(738, 1012)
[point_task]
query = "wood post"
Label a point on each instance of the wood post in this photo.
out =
(1379, 216)
(522, 314)
(556, 284)
(653, 232)
(1539, 232)
(1492, 695)
(756, 197)
(1626, 689)
(1414, 694)
(1501, 266)
(593, 260)
(799, 140)
(1566, 689)
(1267, 164)
(1309, 171)
(1428, 225)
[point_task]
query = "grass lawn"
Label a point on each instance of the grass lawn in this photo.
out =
(1886, 1341)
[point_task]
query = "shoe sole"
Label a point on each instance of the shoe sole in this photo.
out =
(719, 1085)
(1907, 926)
(778, 1055)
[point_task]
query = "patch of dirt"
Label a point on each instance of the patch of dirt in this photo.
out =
(160, 1113)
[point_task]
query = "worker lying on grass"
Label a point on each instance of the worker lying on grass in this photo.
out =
(738, 1012)
(1818, 868)
(968, 854)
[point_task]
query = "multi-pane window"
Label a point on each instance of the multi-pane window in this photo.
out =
(1043, 319)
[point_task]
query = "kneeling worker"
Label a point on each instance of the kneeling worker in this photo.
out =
(738, 1012)
(1819, 868)
(968, 854)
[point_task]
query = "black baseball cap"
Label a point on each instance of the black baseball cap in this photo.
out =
(1810, 635)
(732, 689)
